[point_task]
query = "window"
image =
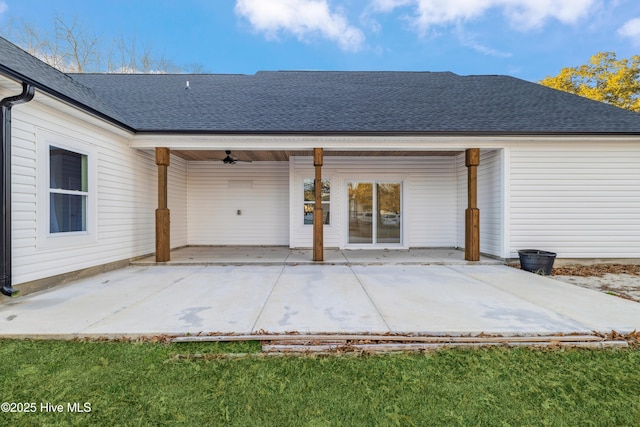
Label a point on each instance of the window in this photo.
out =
(310, 199)
(68, 190)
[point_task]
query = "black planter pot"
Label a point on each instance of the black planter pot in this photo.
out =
(537, 261)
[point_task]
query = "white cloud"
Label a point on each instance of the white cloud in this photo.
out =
(631, 29)
(301, 18)
(521, 14)
(388, 5)
(470, 41)
(528, 14)
(3, 7)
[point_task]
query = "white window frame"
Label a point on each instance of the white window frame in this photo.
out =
(404, 240)
(47, 239)
(304, 202)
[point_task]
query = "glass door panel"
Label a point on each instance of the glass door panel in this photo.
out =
(388, 212)
(360, 212)
(375, 212)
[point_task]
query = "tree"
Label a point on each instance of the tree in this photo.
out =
(72, 47)
(604, 78)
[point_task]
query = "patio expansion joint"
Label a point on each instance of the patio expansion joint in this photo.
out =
(266, 301)
(370, 299)
(344, 255)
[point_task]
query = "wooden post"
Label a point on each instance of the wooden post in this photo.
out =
(318, 215)
(163, 220)
(472, 214)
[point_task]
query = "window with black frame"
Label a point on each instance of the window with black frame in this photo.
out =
(68, 190)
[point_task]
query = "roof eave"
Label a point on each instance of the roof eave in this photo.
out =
(203, 132)
(68, 100)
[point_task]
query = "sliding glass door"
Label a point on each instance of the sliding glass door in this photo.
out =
(388, 212)
(375, 212)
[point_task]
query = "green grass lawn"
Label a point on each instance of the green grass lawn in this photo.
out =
(144, 384)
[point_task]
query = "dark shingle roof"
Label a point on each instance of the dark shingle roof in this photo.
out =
(323, 102)
(353, 102)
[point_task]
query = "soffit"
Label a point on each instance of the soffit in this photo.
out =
(284, 155)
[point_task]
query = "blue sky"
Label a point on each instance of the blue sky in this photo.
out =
(529, 39)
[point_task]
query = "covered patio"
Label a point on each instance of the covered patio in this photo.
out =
(367, 199)
(282, 255)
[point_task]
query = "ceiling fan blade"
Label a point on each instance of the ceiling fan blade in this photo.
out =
(232, 160)
(235, 159)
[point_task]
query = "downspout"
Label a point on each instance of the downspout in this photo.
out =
(27, 94)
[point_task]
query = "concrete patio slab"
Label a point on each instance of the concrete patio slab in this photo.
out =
(439, 300)
(595, 310)
(305, 256)
(223, 255)
(279, 255)
(317, 299)
(327, 298)
(225, 298)
(447, 256)
(72, 308)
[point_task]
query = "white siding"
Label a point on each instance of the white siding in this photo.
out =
(462, 200)
(260, 190)
(429, 196)
(430, 204)
(490, 199)
(178, 203)
(126, 188)
(576, 201)
(490, 202)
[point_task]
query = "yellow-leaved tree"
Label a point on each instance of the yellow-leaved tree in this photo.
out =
(604, 78)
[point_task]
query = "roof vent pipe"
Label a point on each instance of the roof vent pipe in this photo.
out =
(27, 94)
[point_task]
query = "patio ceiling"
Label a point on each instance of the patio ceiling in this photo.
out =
(283, 155)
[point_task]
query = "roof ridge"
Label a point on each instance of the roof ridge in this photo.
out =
(324, 102)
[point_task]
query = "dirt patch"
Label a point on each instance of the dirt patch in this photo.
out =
(621, 280)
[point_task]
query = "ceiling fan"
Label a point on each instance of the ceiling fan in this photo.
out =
(232, 160)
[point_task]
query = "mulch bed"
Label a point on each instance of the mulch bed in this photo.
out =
(597, 270)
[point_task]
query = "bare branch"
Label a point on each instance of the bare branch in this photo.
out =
(72, 47)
